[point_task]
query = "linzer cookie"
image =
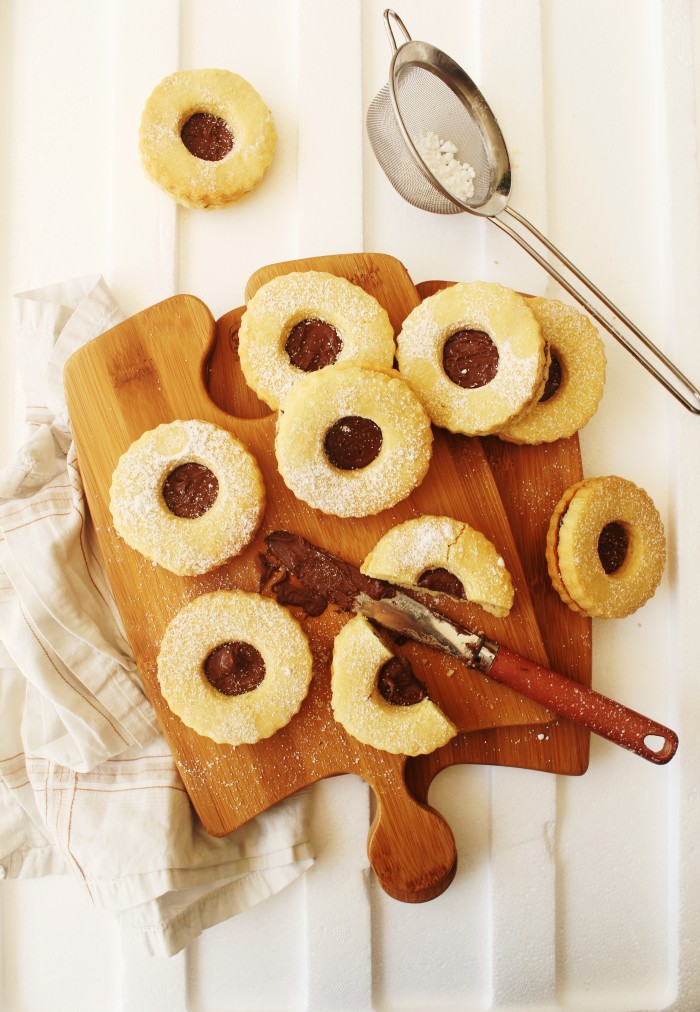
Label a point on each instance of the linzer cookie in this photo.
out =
(575, 379)
(234, 666)
(444, 556)
(475, 355)
(188, 495)
(352, 441)
(301, 322)
(606, 547)
(378, 699)
(206, 137)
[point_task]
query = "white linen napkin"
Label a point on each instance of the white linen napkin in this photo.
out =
(88, 785)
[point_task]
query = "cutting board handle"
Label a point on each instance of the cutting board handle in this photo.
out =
(410, 847)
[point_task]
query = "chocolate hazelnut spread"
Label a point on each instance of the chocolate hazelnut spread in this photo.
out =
(442, 582)
(207, 137)
(295, 594)
(336, 581)
(235, 668)
(313, 344)
(397, 683)
(190, 490)
(613, 543)
(470, 358)
(554, 378)
(352, 442)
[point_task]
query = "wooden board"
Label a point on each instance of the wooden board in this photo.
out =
(159, 366)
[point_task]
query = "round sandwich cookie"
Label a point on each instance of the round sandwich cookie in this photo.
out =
(206, 137)
(234, 666)
(606, 547)
(351, 441)
(187, 495)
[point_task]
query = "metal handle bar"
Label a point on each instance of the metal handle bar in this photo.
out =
(691, 398)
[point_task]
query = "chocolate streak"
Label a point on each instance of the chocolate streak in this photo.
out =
(336, 581)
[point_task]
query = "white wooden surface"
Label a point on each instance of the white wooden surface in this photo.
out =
(576, 894)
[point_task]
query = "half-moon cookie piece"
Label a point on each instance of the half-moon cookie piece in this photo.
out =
(606, 547)
(443, 555)
(300, 322)
(187, 495)
(575, 379)
(378, 700)
(352, 441)
(475, 355)
(234, 666)
(206, 137)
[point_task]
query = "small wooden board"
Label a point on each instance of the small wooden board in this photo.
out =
(172, 361)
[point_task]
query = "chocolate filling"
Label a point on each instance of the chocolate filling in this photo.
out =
(190, 490)
(554, 378)
(470, 358)
(313, 344)
(441, 581)
(207, 137)
(352, 442)
(613, 543)
(292, 593)
(234, 668)
(397, 683)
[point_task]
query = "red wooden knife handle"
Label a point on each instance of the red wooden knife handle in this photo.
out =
(584, 706)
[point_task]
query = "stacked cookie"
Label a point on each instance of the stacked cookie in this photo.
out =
(486, 360)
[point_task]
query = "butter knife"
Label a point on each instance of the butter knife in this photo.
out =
(343, 585)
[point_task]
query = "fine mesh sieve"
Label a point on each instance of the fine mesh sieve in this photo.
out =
(428, 99)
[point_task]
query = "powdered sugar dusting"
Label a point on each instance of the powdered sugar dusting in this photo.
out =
(577, 346)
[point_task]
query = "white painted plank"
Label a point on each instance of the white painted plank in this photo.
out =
(142, 266)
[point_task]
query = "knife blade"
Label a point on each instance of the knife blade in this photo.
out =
(344, 586)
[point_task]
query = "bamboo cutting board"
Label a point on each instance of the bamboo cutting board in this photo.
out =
(173, 361)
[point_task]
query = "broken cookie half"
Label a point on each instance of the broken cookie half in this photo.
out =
(377, 698)
(443, 555)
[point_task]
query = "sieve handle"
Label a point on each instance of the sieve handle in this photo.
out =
(389, 17)
(683, 389)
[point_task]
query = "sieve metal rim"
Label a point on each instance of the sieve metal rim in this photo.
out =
(422, 55)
